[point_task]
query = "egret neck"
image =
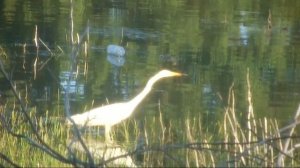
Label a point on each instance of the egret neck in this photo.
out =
(139, 98)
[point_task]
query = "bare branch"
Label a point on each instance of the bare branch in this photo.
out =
(8, 160)
(40, 144)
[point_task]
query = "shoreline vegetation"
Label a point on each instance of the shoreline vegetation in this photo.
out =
(29, 140)
(46, 141)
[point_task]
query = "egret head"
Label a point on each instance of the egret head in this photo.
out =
(168, 73)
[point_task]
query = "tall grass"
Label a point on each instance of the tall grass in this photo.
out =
(181, 142)
(17, 140)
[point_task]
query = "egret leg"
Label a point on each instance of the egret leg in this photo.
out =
(107, 133)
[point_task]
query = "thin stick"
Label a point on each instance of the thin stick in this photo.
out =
(37, 52)
(250, 107)
(72, 23)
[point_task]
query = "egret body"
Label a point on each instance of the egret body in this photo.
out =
(112, 114)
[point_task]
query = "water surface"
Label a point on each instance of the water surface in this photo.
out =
(214, 42)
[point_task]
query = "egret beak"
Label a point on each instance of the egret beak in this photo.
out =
(179, 74)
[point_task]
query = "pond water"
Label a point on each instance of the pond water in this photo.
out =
(214, 42)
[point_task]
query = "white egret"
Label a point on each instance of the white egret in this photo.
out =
(112, 114)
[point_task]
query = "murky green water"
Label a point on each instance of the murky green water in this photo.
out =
(214, 42)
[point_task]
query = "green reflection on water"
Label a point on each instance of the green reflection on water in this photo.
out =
(213, 42)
